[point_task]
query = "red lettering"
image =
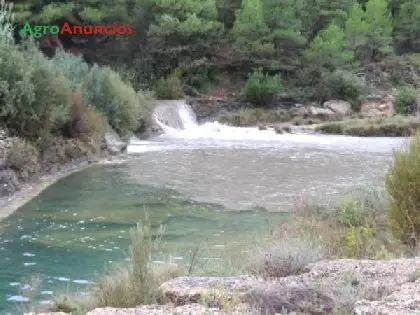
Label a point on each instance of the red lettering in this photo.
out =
(107, 31)
(87, 30)
(130, 30)
(98, 29)
(77, 30)
(66, 29)
(123, 31)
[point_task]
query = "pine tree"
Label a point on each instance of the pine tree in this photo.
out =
(407, 26)
(370, 32)
(250, 32)
(329, 50)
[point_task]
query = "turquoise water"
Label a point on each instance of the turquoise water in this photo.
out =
(69, 233)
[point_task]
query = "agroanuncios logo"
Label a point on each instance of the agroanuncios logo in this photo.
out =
(38, 31)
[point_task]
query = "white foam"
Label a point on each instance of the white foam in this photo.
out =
(28, 255)
(18, 298)
(82, 281)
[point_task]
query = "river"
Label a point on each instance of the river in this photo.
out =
(209, 184)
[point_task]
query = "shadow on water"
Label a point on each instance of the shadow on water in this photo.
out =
(75, 228)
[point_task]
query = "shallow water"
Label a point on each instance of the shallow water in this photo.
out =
(77, 227)
(191, 181)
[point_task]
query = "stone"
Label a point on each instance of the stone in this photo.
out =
(185, 290)
(378, 105)
(190, 309)
(9, 182)
(113, 142)
(339, 107)
(318, 111)
(405, 300)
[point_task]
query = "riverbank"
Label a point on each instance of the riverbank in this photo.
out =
(31, 189)
(315, 119)
(26, 170)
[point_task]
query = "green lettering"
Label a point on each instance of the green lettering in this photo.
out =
(38, 31)
(54, 29)
(26, 30)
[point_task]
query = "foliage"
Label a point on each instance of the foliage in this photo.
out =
(261, 89)
(6, 26)
(407, 27)
(21, 154)
(122, 106)
(132, 284)
(250, 32)
(403, 186)
(169, 88)
(346, 86)
(329, 49)
(369, 31)
(85, 122)
(406, 96)
(284, 255)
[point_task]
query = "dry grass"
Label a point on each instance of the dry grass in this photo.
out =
(125, 285)
(397, 126)
(282, 254)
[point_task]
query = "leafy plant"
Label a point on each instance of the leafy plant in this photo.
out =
(261, 89)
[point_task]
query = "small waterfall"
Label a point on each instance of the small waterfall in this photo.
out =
(174, 115)
(178, 120)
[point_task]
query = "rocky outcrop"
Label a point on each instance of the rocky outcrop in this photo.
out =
(209, 108)
(339, 107)
(368, 287)
(405, 300)
(378, 105)
(190, 309)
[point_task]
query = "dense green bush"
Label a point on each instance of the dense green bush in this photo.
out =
(261, 89)
(346, 86)
(403, 186)
(125, 109)
(169, 88)
(406, 96)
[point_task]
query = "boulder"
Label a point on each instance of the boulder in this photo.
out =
(113, 142)
(378, 105)
(318, 111)
(339, 107)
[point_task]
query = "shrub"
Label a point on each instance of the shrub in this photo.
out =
(125, 109)
(23, 158)
(84, 122)
(351, 212)
(133, 284)
(261, 89)
(17, 91)
(169, 88)
(285, 256)
(403, 186)
(6, 26)
(346, 86)
(52, 101)
(405, 97)
(73, 67)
